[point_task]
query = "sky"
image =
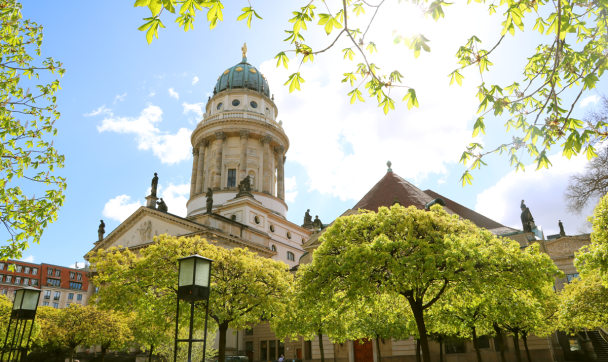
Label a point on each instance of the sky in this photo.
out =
(128, 108)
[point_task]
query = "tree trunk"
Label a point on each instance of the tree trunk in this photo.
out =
(321, 347)
(516, 343)
(72, 355)
(103, 353)
(476, 344)
(441, 350)
(524, 336)
(378, 348)
(221, 353)
(150, 354)
(423, 339)
(418, 350)
(500, 342)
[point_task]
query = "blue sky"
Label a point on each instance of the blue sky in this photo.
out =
(128, 107)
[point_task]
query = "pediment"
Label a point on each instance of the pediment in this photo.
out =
(566, 245)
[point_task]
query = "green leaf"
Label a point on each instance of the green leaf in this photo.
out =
(456, 76)
(248, 14)
(479, 126)
(416, 43)
(141, 3)
(371, 47)
(348, 52)
(294, 81)
(282, 57)
(349, 77)
(410, 97)
(466, 178)
(386, 104)
(356, 94)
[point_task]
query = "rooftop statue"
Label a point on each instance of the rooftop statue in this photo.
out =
(245, 188)
(307, 220)
(317, 223)
(154, 184)
(209, 195)
(101, 230)
(561, 229)
(162, 207)
(244, 49)
(527, 220)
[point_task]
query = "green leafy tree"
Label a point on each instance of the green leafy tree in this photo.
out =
(245, 288)
(152, 327)
(166, 349)
(419, 255)
(110, 330)
(569, 59)
(583, 304)
(27, 122)
(594, 258)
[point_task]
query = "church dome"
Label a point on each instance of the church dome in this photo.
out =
(242, 76)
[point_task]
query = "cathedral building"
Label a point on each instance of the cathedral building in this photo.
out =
(237, 198)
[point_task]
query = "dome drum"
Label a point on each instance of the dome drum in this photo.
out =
(242, 76)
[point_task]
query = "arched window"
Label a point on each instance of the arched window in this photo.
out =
(288, 235)
(273, 248)
(256, 219)
(233, 217)
(271, 227)
(290, 256)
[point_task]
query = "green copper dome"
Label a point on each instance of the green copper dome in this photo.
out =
(242, 75)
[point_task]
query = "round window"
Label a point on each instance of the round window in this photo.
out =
(233, 217)
(288, 235)
(256, 219)
(219, 106)
(253, 104)
(236, 102)
(271, 227)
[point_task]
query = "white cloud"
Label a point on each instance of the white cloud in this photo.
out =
(29, 259)
(98, 111)
(152, 94)
(120, 208)
(173, 93)
(120, 98)
(419, 142)
(176, 196)
(170, 148)
(291, 189)
(198, 108)
(591, 99)
(194, 80)
(542, 191)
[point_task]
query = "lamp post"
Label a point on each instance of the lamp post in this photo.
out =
(24, 310)
(193, 285)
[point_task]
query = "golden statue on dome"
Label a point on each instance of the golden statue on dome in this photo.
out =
(244, 49)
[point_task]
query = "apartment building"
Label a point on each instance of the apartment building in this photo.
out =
(60, 286)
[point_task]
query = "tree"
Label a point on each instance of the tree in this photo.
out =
(110, 330)
(594, 258)
(27, 121)
(245, 288)
(583, 304)
(151, 327)
(166, 349)
(587, 186)
(418, 255)
(535, 104)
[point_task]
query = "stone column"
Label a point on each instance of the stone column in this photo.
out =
(219, 146)
(201, 166)
(243, 161)
(194, 173)
(267, 171)
(280, 150)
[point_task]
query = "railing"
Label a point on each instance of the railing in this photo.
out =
(604, 334)
(245, 115)
(55, 298)
(47, 297)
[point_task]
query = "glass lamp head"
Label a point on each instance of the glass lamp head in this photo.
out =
(194, 278)
(26, 302)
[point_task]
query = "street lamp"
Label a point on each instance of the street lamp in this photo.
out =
(24, 310)
(193, 285)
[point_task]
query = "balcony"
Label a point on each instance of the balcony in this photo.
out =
(55, 298)
(47, 297)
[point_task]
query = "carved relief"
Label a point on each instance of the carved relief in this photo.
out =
(566, 246)
(145, 231)
(251, 152)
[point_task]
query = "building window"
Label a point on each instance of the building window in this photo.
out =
(27, 270)
(256, 219)
(78, 276)
(253, 104)
(47, 294)
(281, 349)
(271, 227)
(72, 275)
(57, 296)
(70, 296)
(454, 347)
(78, 296)
(35, 282)
(290, 256)
(4, 291)
(272, 347)
(45, 304)
(263, 351)
(219, 106)
(249, 345)
(483, 342)
(67, 305)
(49, 272)
(9, 278)
(1, 278)
(232, 177)
(273, 248)
(35, 271)
(236, 103)
(1, 266)
(17, 280)
(53, 282)
(19, 269)
(572, 276)
(303, 240)
(288, 235)
(26, 281)
(249, 332)
(96, 289)
(56, 305)
(74, 285)
(57, 273)
(233, 217)
(574, 345)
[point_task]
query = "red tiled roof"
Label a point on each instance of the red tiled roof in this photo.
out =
(392, 186)
(466, 213)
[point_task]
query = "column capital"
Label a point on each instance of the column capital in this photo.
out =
(280, 149)
(244, 134)
(204, 143)
(266, 139)
(220, 135)
(194, 151)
